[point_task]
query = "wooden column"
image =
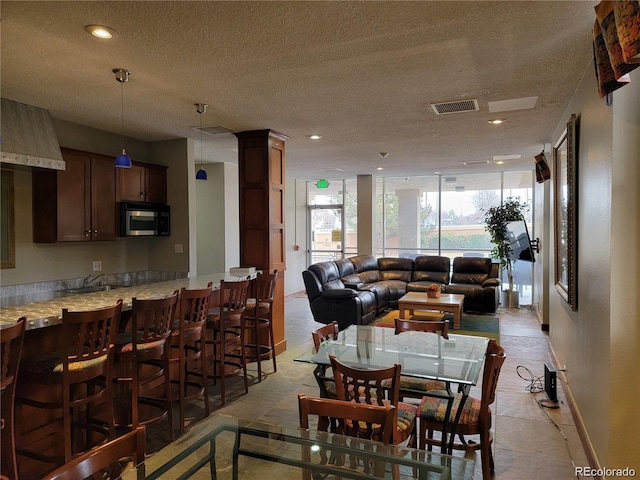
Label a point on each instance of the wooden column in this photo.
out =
(261, 169)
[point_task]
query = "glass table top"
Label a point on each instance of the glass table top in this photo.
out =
(457, 359)
(227, 447)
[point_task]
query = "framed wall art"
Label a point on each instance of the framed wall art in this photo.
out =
(566, 214)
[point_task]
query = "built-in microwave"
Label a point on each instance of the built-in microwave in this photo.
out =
(144, 219)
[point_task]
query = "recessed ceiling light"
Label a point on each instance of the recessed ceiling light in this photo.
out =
(100, 31)
(315, 137)
(380, 168)
(499, 162)
(497, 121)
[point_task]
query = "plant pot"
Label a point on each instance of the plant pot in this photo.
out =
(510, 299)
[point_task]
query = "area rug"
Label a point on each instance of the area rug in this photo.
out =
(479, 325)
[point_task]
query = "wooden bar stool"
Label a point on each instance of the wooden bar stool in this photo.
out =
(11, 339)
(186, 342)
(144, 354)
(82, 367)
(225, 334)
(259, 319)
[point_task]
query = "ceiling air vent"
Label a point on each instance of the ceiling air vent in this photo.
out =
(215, 129)
(458, 106)
(476, 162)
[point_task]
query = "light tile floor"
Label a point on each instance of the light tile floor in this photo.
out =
(530, 442)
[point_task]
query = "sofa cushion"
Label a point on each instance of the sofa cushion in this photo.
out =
(339, 293)
(352, 281)
(369, 276)
(431, 268)
(473, 293)
(381, 292)
(345, 267)
(396, 288)
(325, 271)
(472, 270)
(422, 286)
(362, 263)
(395, 269)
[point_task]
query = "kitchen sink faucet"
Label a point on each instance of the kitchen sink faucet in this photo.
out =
(89, 280)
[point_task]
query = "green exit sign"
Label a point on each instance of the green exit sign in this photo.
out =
(322, 184)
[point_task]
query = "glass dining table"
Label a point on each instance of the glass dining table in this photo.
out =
(225, 447)
(457, 359)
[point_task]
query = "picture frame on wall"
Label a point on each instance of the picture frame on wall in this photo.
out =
(565, 163)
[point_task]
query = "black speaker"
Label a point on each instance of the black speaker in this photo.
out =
(543, 173)
(550, 379)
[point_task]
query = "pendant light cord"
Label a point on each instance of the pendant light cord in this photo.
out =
(122, 113)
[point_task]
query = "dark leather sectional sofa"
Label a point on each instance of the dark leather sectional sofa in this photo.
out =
(354, 290)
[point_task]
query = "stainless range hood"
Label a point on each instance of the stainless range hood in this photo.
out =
(28, 137)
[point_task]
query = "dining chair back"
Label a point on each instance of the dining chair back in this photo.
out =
(323, 374)
(441, 327)
(350, 419)
(82, 365)
(11, 340)
(475, 418)
(259, 321)
(329, 331)
(105, 460)
(143, 355)
(226, 335)
(186, 342)
(361, 385)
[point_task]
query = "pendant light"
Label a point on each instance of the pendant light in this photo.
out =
(123, 160)
(201, 108)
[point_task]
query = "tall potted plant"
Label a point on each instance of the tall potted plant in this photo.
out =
(496, 219)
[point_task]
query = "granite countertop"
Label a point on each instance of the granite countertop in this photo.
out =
(49, 312)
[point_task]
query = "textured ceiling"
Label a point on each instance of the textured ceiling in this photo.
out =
(361, 74)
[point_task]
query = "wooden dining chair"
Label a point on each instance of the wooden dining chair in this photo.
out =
(259, 321)
(374, 422)
(366, 386)
(11, 340)
(358, 420)
(81, 370)
(323, 374)
(142, 355)
(413, 387)
(106, 460)
(186, 344)
(475, 418)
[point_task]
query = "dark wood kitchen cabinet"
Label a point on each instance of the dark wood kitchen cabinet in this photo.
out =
(143, 182)
(77, 204)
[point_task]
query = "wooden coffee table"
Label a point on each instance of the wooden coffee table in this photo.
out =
(448, 302)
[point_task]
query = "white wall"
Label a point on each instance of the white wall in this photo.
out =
(599, 342)
(624, 331)
(295, 234)
(217, 219)
(177, 155)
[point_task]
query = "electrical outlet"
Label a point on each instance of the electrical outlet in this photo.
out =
(177, 248)
(97, 265)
